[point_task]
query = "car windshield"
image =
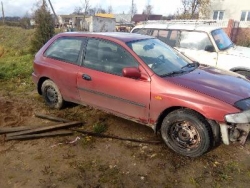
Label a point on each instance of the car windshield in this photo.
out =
(161, 58)
(221, 39)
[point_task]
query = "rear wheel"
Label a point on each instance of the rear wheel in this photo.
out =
(52, 95)
(187, 133)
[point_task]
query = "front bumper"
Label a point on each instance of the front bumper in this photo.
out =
(234, 133)
(236, 128)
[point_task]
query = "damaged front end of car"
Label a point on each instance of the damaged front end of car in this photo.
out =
(237, 125)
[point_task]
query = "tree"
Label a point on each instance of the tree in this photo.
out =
(86, 7)
(25, 21)
(110, 9)
(44, 27)
(78, 11)
(133, 9)
(192, 8)
(148, 9)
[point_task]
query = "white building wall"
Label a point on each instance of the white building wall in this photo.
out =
(232, 8)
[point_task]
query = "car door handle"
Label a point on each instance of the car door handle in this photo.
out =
(86, 77)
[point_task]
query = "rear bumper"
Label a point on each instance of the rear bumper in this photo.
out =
(34, 78)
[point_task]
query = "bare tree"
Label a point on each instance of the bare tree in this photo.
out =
(148, 10)
(78, 11)
(110, 9)
(192, 8)
(86, 7)
(133, 9)
(99, 9)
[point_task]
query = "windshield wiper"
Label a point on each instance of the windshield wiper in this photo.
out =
(173, 73)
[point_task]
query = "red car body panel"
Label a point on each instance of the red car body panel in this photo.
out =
(124, 96)
(144, 99)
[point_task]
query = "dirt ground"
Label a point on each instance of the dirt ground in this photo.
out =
(102, 162)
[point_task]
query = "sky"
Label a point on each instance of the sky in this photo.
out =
(21, 7)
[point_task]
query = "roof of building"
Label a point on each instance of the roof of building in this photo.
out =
(123, 18)
(145, 17)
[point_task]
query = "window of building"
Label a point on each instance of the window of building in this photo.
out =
(245, 16)
(218, 15)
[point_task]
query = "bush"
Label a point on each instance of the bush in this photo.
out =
(44, 28)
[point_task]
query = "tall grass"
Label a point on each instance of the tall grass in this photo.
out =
(15, 59)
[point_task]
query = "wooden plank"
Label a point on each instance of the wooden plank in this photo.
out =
(116, 137)
(4, 130)
(41, 135)
(44, 129)
(52, 118)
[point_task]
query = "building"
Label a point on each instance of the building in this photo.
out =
(230, 9)
(144, 17)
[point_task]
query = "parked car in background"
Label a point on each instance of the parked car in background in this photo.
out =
(204, 43)
(140, 78)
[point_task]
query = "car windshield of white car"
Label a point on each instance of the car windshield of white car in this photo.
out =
(161, 58)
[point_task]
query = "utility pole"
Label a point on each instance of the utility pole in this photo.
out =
(53, 11)
(3, 12)
(132, 9)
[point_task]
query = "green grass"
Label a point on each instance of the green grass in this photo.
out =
(99, 127)
(15, 59)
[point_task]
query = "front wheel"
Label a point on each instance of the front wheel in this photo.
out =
(187, 133)
(52, 95)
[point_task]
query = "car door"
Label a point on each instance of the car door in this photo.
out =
(64, 55)
(100, 81)
(197, 46)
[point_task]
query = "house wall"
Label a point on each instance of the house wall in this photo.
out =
(232, 8)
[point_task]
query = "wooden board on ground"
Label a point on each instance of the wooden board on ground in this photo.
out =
(44, 129)
(40, 135)
(4, 130)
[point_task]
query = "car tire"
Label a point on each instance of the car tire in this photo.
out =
(187, 133)
(52, 95)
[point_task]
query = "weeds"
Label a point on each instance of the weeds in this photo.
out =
(99, 127)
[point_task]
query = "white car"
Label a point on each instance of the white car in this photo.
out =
(201, 42)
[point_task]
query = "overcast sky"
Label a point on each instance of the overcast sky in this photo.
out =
(21, 7)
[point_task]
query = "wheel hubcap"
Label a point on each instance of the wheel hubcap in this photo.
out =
(51, 95)
(185, 135)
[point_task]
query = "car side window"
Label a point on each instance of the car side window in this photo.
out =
(143, 31)
(172, 38)
(65, 49)
(155, 33)
(194, 40)
(107, 57)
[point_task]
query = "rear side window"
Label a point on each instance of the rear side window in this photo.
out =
(107, 57)
(142, 31)
(194, 40)
(167, 36)
(65, 49)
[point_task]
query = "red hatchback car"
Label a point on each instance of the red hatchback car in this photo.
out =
(140, 78)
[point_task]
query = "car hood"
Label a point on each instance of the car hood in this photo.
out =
(220, 84)
(239, 51)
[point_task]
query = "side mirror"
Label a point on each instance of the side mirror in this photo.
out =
(131, 72)
(209, 48)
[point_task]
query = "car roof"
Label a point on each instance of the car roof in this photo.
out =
(179, 26)
(122, 36)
